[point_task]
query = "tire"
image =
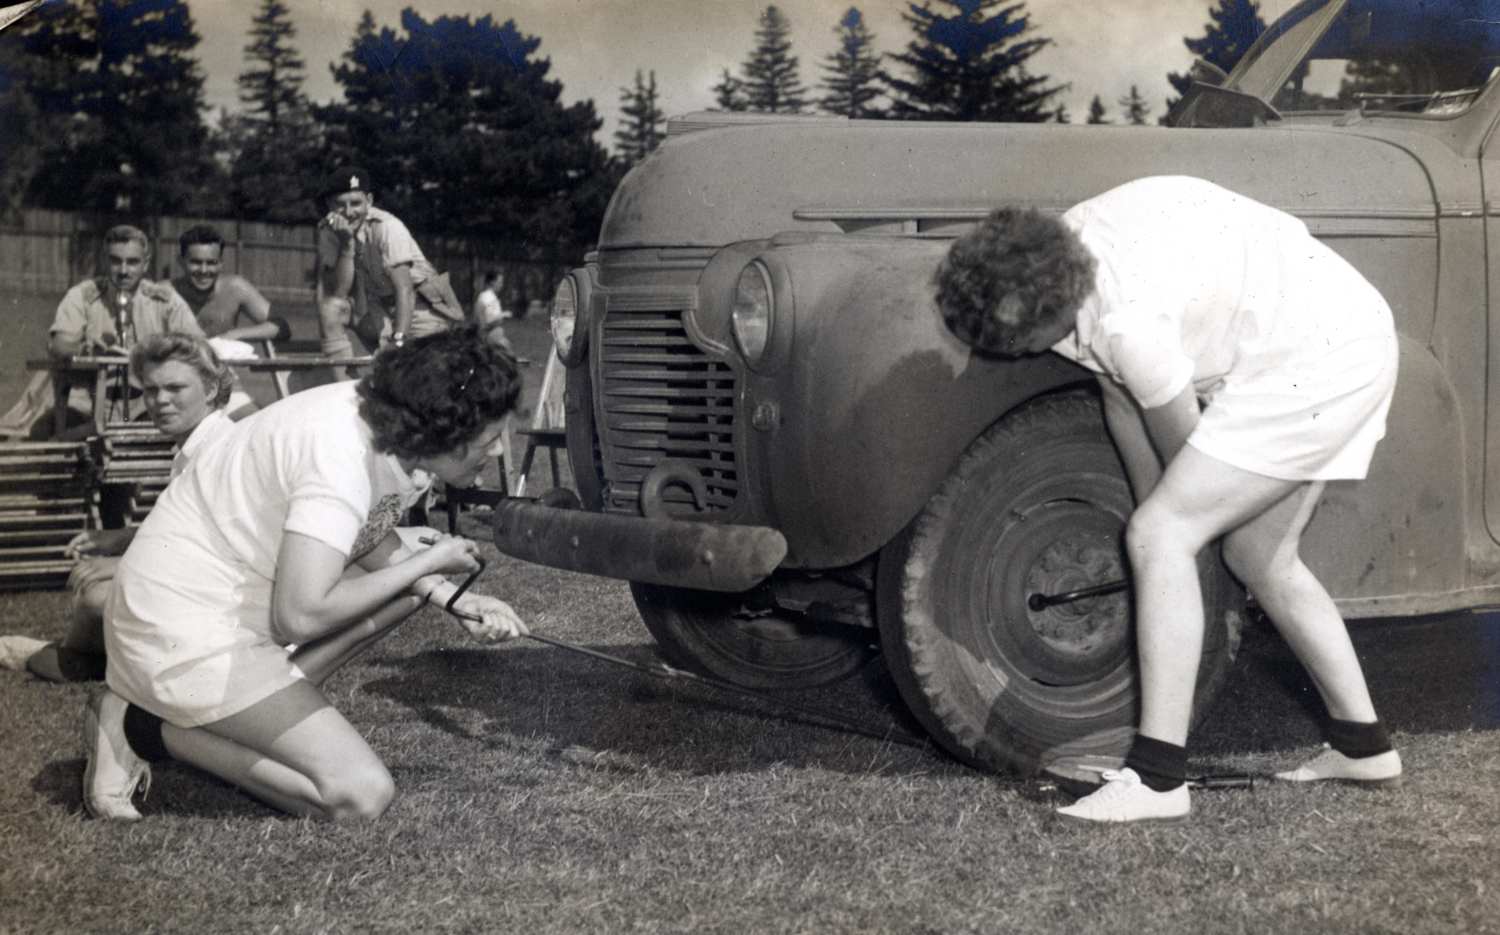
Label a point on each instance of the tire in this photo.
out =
(1037, 504)
(715, 634)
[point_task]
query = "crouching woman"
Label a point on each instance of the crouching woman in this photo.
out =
(248, 554)
(185, 387)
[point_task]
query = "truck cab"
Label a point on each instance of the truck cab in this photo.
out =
(777, 441)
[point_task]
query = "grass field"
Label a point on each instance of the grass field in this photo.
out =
(541, 791)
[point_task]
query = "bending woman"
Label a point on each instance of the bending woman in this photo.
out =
(245, 556)
(1180, 294)
(185, 387)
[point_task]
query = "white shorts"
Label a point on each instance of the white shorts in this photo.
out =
(1294, 427)
(192, 649)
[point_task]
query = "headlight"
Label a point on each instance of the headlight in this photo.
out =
(565, 319)
(752, 312)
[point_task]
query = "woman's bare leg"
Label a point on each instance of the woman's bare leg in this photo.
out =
(1263, 553)
(293, 751)
(1197, 500)
(79, 655)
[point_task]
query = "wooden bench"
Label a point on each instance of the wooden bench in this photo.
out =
(51, 491)
(45, 500)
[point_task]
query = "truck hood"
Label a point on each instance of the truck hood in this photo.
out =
(757, 178)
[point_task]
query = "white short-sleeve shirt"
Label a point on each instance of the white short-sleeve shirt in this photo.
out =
(1186, 269)
(189, 621)
(1290, 348)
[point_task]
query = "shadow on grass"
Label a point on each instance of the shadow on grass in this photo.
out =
(629, 719)
(1427, 675)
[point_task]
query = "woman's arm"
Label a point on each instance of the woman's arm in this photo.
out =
(312, 598)
(1123, 419)
(1172, 423)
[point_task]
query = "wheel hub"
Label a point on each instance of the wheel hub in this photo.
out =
(1069, 546)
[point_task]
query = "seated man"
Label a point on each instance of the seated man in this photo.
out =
(226, 305)
(106, 315)
(110, 314)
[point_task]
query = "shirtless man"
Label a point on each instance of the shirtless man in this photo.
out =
(226, 306)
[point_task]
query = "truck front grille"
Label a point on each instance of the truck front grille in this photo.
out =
(663, 398)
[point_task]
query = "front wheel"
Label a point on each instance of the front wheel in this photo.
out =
(727, 637)
(999, 675)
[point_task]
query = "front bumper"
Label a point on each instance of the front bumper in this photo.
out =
(679, 553)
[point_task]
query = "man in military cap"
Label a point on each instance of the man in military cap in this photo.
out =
(372, 274)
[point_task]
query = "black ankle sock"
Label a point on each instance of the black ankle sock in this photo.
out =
(1357, 740)
(1162, 766)
(143, 732)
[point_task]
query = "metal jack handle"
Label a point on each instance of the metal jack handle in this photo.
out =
(473, 577)
(661, 670)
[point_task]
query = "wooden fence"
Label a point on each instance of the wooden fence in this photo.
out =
(48, 251)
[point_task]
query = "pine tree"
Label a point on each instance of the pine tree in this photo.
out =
(1233, 25)
(464, 132)
(729, 93)
(771, 84)
(1096, 111)
(21, 154)
(1135, 107)
(271, 88)
(274, 142)
(640, 127)
(120, 77)
(1062, 115)
(971, 65)
(853, 71)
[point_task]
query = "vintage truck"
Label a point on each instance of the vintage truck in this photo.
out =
(778, 443)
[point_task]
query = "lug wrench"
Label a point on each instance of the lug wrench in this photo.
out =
(663, 671)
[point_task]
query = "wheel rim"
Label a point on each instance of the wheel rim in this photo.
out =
(1057, 533)
(759, 648)
(774, 642)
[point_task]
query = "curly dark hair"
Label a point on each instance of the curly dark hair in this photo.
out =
(436, 393)
(1016, 272)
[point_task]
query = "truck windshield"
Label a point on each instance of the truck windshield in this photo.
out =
(1430, 58)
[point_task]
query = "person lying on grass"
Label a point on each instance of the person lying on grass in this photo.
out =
(185, 388)
(1243, 365)
(244, 556)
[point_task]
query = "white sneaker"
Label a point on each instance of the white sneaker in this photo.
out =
(1382, 769)
(113, 771)
(15, 650)
(1123, 797)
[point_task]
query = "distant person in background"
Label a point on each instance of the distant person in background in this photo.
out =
(107, 314)
(372, 275)
(185, 388)
(230, 310)
(489, 314)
